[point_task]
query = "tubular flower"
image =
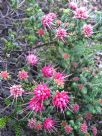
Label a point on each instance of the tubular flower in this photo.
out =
(61, 100)
(87, 30)
(68, 129)
(49, 124)
(16, 91)
(23, 75)
(84, 128)
(81, 13)
(73, 5)
(48, 71)
(32, 59)
(31, 123)
(61, 33)
(42, 92)
(35, 105)
(4, 74)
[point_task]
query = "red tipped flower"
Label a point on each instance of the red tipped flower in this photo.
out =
(42, 92)
(23, 75)
(68, 129)
(48, 71)
(49, 124)
(16, 91)
(61, 100)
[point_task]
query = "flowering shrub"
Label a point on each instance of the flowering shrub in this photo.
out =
(55, 88)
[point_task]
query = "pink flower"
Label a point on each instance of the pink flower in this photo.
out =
(16, 90)
(23, 75)
(94, 130)
(81, 13)
(35, 105)
(88, 116)
(47, 20)
(84, 128)
(66, 56)
(73, 5)
(32, 59)
(49, 124)
(59, 78)
(31, 123)
(68, 129)
(42, 92)
(47, 71)
(4, 74)
(40, 32)
(75, 107)
(61, 100)
(87, 30)
(61, 33)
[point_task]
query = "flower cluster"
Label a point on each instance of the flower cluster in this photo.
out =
(47, 20)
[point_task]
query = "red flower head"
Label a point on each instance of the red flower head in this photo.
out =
(48, 71)
(41, 32)
(42, 92)
(49, 124)
(16, 90)
(61, 100)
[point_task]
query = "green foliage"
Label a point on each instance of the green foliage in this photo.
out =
(3, 121)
